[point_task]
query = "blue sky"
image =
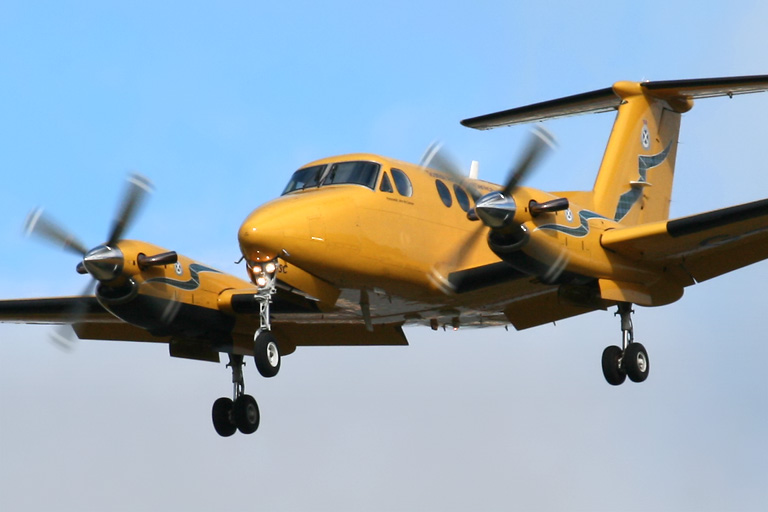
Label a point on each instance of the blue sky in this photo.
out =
(218, 105)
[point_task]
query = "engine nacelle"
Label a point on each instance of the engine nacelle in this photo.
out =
(169, 296)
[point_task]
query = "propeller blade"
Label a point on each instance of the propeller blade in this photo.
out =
(439, 273)
(42, 226)
(540, 140)
(438, 158)
(136, 191)
(64, 335)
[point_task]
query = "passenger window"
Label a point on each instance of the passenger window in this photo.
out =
(386, 185)
(403, 184)
(461, 197)
(445, 194)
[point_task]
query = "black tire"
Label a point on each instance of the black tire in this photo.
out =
(636, 362)
(611, 370)
(246, 414)
(266, 354)
(222, 417)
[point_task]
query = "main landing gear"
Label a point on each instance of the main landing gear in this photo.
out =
(241, 412)
(629, 360)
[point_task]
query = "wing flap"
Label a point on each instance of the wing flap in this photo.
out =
(545, 308)
(341, 334)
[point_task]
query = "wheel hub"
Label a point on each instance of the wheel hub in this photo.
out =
(273, 356)
(641, 362)
(251, 414)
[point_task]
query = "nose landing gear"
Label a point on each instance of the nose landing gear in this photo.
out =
(629, 360)
(241, 412)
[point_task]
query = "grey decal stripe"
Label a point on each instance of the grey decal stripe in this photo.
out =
(581, 230)
(191, 284)
(644, 164)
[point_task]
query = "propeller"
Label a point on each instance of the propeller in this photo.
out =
(540, 140)
(437, 157)
(104, 262)
(496, 209)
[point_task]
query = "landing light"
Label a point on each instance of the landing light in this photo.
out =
(262, 274)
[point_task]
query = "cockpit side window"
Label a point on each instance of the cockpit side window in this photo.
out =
(386, 185)
(403, 184)
(305, 178)
(358, 173)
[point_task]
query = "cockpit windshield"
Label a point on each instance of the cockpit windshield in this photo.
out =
(305, 178)
(341, 173)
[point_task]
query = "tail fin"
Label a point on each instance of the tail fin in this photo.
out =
(634, 183)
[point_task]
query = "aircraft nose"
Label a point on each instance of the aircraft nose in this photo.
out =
(261, 236)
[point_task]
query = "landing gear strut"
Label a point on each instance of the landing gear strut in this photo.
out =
(629, 360)
(265, 350)
(241, 412)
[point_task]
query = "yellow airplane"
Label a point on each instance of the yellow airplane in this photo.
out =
(360, 245)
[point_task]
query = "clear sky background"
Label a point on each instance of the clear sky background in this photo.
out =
(218, 103)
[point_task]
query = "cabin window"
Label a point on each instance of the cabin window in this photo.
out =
(445, 194)
(356, 173)
(461, 197)
(304, 178)
(386, 185)
(403, 184)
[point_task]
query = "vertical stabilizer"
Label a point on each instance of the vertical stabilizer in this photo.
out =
(634, 184)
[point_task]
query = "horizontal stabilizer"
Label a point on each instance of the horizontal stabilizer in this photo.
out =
(603, 100)
(608, 99)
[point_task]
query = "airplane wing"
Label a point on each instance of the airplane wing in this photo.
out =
(54, 310)
(704, 246)
(91, 321)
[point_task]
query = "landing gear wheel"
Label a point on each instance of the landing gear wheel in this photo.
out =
(266, 354)
(222, 417)
(613, 373)
(246, 414)
(635, 362)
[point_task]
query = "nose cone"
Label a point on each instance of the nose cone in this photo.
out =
(262, 236)
(104, 263)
